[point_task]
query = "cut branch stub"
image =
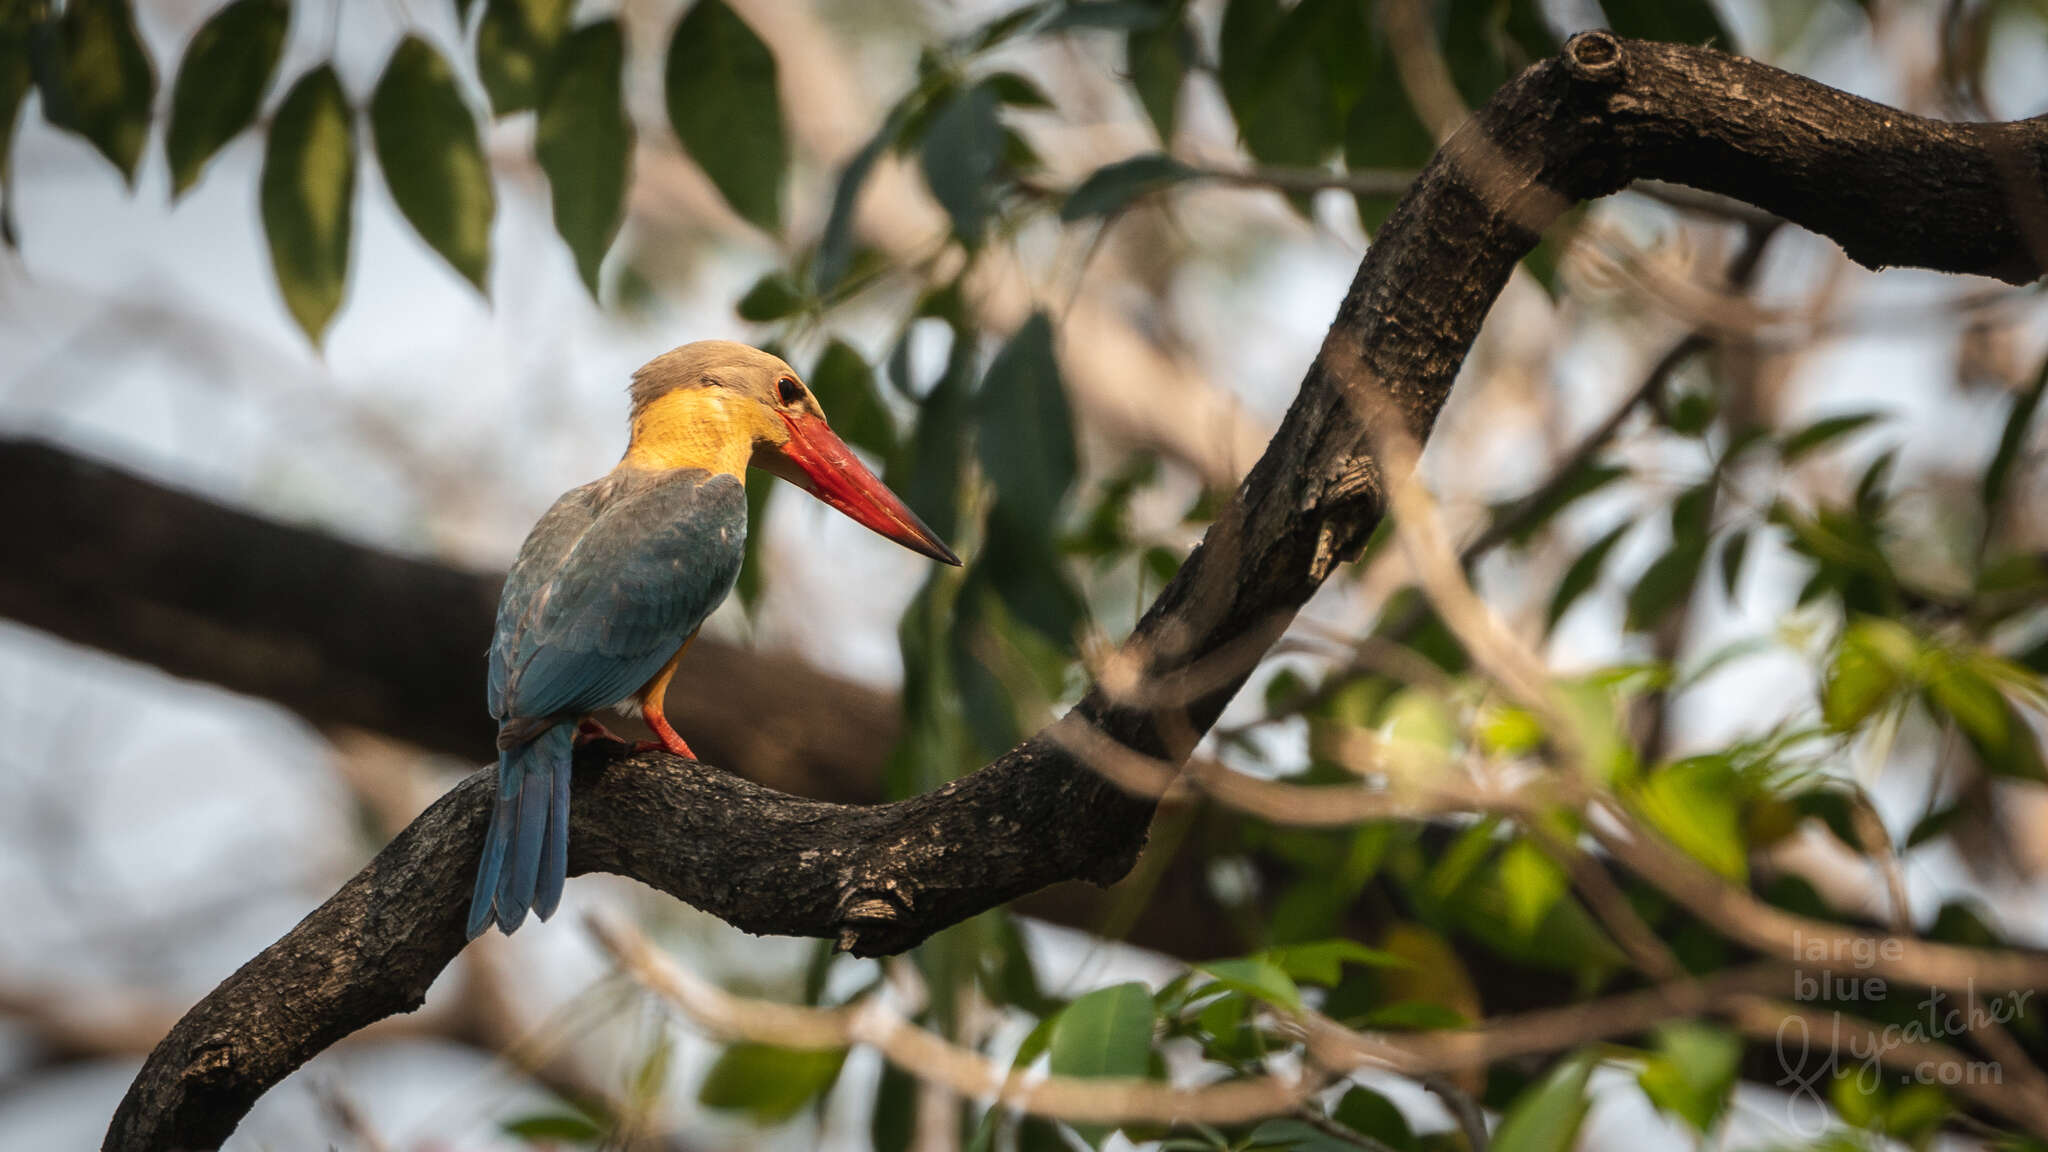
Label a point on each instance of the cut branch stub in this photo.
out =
(1890, 188)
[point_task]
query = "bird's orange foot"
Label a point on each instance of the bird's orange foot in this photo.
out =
(666, 737)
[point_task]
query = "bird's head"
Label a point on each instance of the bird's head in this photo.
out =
(724, 406)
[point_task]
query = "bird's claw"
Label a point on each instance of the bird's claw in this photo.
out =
(589, 731)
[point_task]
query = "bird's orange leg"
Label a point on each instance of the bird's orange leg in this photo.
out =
(650, 705)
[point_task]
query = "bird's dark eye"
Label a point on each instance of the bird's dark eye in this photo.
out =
(792, 392)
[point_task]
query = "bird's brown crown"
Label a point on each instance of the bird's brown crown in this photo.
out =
(709, 405)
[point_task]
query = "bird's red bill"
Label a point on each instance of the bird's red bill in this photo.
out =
(838, 478)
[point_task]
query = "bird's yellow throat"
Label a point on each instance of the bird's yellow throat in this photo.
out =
(698, 428)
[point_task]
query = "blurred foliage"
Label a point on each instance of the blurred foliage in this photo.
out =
(974, 428)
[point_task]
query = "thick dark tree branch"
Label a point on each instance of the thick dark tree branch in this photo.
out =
(1890, 188)
(299, 617)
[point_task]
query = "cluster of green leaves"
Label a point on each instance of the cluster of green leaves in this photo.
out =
(1307, 84)
(996, 643)
(1230, 1015)
(1959, 646)
(96, 79)
(1462, 903)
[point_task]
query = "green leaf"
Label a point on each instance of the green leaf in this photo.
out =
(1875, 483)
(96, 79)
(1532, 513)
(2003, 739)
(1668, 582)
(1823, 431)
(1675, 21)
(1106, 1033)
(650, 1079)
(1038, 1134)
(1696, 805)
(1024, 18)
(2012, 439)
(1156, 61)
(221, 82)
(1531, 884)
(1872, 661)
(1321, 961)
(515, 43)
(962, 149)
(584, 142)
(1487, 41)
(1918, 1111)
(1021, 562)
(427, 145)
(1434, 989)
(308, 197)
(554, 1127)
(1509, 731)
(1528, 34)
(1035, 1043)
(1935, 823)
(753, 573)
(893, 1125)
(1415, 1016)
(1693, 1072)
(1384, 131)
(1024, 434)
(723, 105)
(1104, 15)
(933, 463)
(1247, 27)
(835, 244)
(769, 1084)
(1286, 1134)
(18, 24)
(1368, 1113)
(1594, 715)
(1017, 91)
(1546, 1118)
(774, 296)
(1257, 977)
(1582, 575)
(1111, 188)
(1733, 549)
(845, 388)
(1416, 720)
(1291, 76)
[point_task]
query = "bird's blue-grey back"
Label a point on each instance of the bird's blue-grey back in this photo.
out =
(607, 588)
(609, 584)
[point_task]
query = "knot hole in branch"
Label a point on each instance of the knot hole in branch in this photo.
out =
(1595, 57)
(867, 912)
(1349, 508)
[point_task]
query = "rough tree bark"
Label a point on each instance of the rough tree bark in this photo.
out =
(1890, 188)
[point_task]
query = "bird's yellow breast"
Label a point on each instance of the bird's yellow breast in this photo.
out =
(706, 428)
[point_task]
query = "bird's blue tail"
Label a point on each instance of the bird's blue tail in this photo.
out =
(526, 851)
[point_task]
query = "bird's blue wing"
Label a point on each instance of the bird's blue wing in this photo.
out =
(609, 585)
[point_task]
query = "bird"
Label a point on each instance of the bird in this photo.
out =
(615, 579)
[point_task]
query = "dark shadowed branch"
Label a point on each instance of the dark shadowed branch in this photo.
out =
(1890, 188)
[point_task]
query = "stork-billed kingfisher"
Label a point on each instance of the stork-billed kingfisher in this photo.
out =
(615, 580)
